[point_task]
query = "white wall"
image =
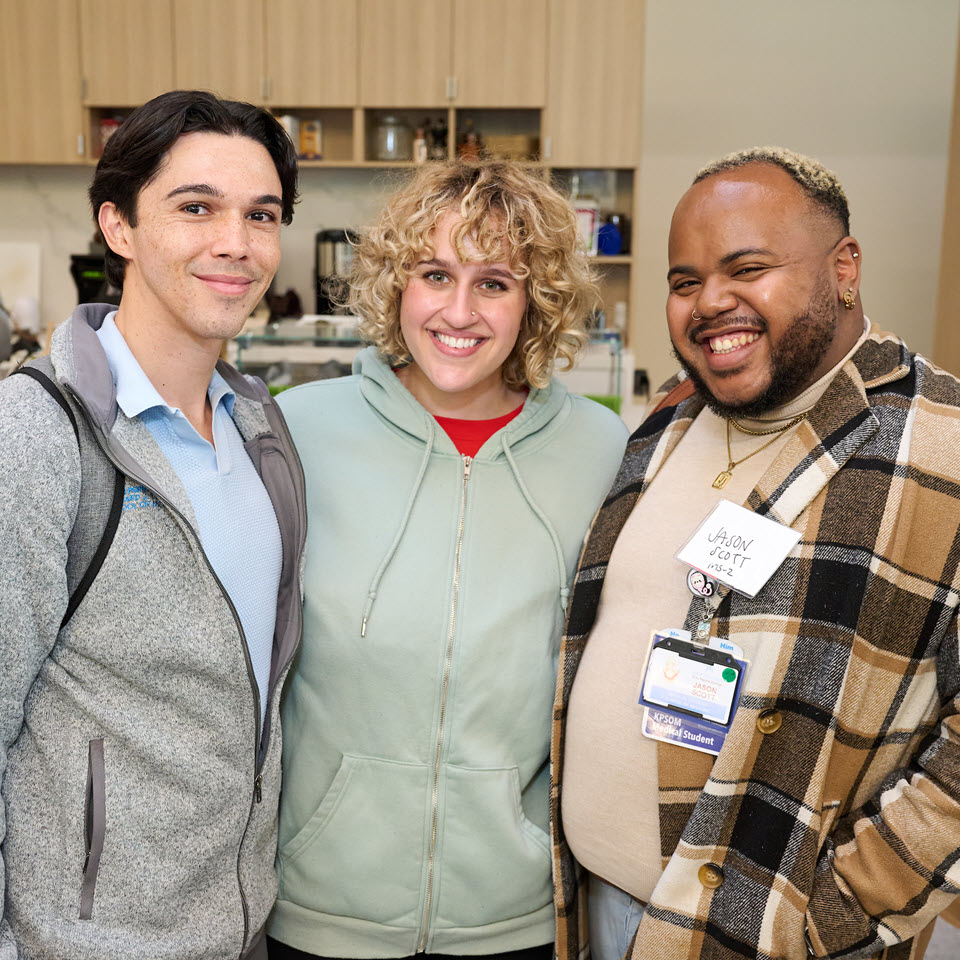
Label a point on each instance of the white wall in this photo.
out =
(864, 85)
(48, 206)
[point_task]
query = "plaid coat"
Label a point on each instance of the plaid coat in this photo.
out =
(833, 811)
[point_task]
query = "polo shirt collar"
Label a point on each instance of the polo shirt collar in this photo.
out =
(135, 392)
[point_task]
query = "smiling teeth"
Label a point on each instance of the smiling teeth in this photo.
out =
(459, 343)
(726, 344)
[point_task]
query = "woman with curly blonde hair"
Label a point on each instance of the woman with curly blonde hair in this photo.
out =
(450, 481)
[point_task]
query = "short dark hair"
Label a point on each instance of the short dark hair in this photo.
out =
(133, 155)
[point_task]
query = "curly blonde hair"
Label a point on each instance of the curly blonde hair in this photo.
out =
(508, 213)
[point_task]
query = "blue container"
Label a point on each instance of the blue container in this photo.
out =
(609, 241)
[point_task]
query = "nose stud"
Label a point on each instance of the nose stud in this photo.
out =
(473, 313)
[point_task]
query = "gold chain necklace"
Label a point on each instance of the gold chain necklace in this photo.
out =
(723, 477)
(767, 433)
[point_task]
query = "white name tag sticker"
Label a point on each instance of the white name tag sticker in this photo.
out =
(738, 547)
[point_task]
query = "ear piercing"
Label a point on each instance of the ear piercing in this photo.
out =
(849, 300)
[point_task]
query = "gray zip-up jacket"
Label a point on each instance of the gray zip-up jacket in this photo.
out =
(139, 794)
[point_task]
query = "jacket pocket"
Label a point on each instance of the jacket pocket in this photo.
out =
(360, 853)
(95, 826)
(494, 862)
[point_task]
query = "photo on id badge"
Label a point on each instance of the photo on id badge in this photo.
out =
(692, 679)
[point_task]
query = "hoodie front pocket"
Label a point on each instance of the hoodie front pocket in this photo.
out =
(94, 826)
(494, 862)
(360, 853)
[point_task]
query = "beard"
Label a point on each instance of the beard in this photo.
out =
(793, 359)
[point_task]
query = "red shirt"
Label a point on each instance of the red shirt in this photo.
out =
(469, 436)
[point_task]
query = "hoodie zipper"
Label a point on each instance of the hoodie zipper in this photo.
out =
(258, 754)
(447, 663)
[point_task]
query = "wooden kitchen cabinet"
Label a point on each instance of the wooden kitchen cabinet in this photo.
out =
(312, 53)
(405, 57)
(40, 113)
(126, 51)
(500, 53)
(132, 50)
(434, 53)
(218, 46)
(595, 83)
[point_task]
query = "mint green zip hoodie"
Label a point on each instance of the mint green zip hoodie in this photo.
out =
(417, 723)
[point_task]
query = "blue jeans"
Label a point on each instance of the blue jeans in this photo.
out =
(614, 918)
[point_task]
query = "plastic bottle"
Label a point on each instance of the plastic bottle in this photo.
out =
(419, 146)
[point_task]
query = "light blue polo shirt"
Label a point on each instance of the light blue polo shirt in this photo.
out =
(237, 525)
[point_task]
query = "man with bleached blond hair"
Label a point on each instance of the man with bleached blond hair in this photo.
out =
(756, 743)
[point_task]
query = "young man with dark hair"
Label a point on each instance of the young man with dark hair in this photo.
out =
(134, 155)
(152, 529)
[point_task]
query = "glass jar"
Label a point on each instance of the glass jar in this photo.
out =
(394, 140)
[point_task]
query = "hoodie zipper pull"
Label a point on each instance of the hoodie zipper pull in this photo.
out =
(257, 788)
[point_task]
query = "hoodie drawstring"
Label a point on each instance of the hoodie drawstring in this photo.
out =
(538, 513)
(542, 517)
(378, 576)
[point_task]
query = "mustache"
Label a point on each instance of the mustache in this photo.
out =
(710, 328)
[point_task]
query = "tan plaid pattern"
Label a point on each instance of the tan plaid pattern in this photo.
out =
(838, 834)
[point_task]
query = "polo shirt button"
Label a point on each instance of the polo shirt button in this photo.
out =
(711, 876)
(769, 721)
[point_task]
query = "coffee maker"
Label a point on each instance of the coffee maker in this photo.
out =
(333, 257)
(90, 276)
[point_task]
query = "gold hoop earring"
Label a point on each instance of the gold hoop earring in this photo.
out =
(849, 300)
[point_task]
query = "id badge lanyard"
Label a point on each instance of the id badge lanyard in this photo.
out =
(708, 610)
(708, 594)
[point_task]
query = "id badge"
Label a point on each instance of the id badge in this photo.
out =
(690, 691)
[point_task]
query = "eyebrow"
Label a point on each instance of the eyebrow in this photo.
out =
(268, 198)
(207, 190)
(204, 188)
(680, 268)
(725, 261)
(744, 252)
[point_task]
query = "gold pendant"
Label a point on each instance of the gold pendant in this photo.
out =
(723, 478)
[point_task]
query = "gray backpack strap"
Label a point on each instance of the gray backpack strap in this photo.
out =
(101, 495)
